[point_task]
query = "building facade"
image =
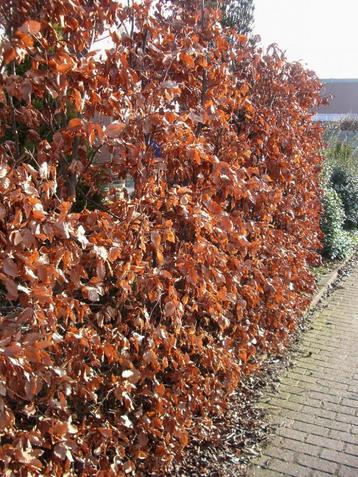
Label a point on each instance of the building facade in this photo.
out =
(343, 100)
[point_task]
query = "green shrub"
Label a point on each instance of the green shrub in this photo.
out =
(340, 200)
(344, 181)
(340, 153)
(337, 241)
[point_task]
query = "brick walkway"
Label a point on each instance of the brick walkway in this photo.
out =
(316, 407)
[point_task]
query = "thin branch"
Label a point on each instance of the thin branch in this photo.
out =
(93, 155)
(10, 307)
(202, 14)
(204, 87)
(15, 132)
(99, 205)
(132, 23)
(72, 177)
(145, 39)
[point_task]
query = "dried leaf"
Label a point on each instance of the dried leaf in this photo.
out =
(74, 123)
(10, 267)
(187, 59)
(31, 26)
(114, 129)
(9, 55)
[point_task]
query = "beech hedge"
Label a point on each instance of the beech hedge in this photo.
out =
(128, 320)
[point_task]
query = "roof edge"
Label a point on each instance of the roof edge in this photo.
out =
(339, 80)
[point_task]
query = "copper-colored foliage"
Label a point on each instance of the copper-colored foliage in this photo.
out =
(124, 326)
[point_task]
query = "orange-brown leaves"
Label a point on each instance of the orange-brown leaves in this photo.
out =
(9, 55)
(159, 206)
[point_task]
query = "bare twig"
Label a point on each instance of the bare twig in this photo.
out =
(72, 177)
(15, 132)
(202, 14)
(204, 87)
(92, 157)
(99, 205)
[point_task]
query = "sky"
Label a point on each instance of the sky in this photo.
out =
(322, 34)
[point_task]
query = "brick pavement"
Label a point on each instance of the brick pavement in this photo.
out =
(316, 406)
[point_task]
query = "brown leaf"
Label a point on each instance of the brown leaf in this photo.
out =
(2, 212)
(155, 238)
(31, 26)
(160, 257)
(170, 117)
(110, 352)
(10, 267)
(114, 129)
(170, 236)
(78, 99)
(92, 293)
(62, 451)
(74, 123)
(9, 55)
(28, 457)
(170, 308)
(187, 59)
(26, 40)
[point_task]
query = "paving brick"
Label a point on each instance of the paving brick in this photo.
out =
(343, 436)
(350, 402)
(337, 385)
(305, 400)
(325, 396)
(291, 433)
(345, 471)
(332, 379)
(296, 389)
(351, 449)
(282, 454)
(297, 416)
(288, 468)
(319, 412)
(325, 442)
(286, 404)
(304, 378)
(301, 447)
(347, 418)
(340, 457)
(311, 428)
(316, 463)
(332, 424)
(339, 408)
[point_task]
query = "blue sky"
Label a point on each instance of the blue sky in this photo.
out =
(322, 34)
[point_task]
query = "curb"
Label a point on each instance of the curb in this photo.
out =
(328, 282)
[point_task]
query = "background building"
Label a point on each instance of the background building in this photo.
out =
(344, 100)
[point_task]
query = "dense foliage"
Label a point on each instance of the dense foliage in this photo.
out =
(346, 186)
(337, 242)
(340, 198)
(126, 320)
(343, 177)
